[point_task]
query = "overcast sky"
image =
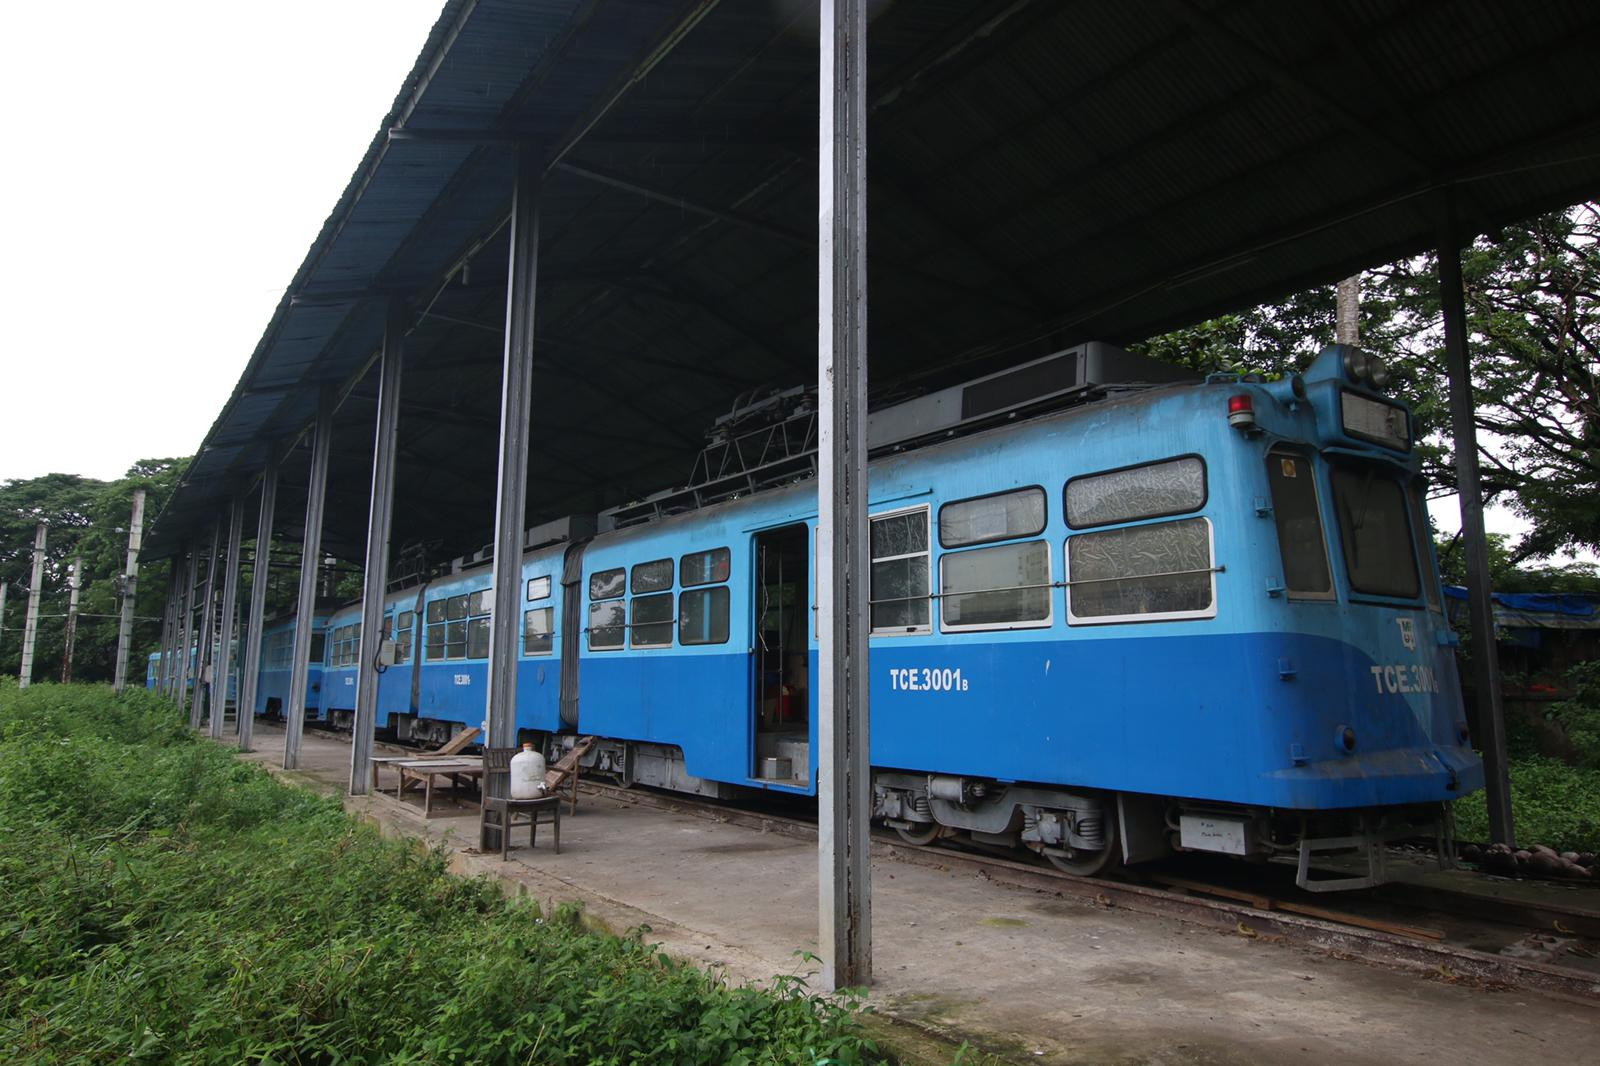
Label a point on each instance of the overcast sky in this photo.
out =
(167, 167)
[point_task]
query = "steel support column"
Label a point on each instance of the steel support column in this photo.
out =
(375, 574)
(259, 578)
(310, 554)
(516, 393)
(4, 587)
(130, 591)
(204, 655)
(1485, 657)
(844, 789)
(30, 624)
(222, 670)
(186, 654)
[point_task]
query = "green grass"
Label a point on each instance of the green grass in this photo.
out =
(161, 901)
(1553, 804)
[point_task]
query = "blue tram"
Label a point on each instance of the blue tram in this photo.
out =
(1114, 614)
(277, 652)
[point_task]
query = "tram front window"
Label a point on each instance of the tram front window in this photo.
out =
(1376, 532)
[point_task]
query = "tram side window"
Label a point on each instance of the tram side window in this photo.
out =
(536, 631)
(1000, 516)
(608, 620)
(703, 616)
(1004, 587)
(899, 582)
(539, 587)
(1301, 543)
(651, 614)
(403, 635)
(704, 568)
(433, 632)
(1141, 573)
(480, 605)
(1152, 490)
(1376, 534)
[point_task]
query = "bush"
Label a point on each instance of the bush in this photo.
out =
(1579, 714)
(164, 902)
(1554, 804)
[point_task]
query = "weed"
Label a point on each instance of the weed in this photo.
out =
(161, 901)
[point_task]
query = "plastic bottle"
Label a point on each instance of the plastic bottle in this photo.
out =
(527, 774)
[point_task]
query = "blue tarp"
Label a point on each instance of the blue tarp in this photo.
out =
(1539, 610)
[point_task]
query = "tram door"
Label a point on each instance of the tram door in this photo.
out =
(781, 670)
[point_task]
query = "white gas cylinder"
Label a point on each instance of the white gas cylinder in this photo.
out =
(527, 774)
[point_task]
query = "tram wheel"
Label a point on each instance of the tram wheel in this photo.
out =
(1084, 863)
(922, 835)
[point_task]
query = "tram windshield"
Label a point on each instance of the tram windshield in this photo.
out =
(1375, 530)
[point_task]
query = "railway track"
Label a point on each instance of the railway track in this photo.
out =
(1408, 927)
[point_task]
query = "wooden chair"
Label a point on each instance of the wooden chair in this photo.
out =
(565, 772)
(500, 812)
(451, 747)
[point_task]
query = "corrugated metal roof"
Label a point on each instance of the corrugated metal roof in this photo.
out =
(1041, 173)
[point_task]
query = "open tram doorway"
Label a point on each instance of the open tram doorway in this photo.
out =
(782, 663)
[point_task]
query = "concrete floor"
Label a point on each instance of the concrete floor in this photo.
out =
(1023, 975)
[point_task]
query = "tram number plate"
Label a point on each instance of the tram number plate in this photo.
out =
(463, 679)
(349, 680)
(926, 679)
(1204, 833)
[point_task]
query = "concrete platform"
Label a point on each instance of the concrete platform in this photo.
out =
(1022, 975)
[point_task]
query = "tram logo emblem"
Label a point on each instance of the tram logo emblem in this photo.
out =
(1408, 633)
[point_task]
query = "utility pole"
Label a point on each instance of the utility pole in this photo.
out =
(1347, 311)
(130, 590)
(75, 582)
(3, 586)
(30, 628)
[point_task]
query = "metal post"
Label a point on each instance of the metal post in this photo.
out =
(259, 578)
(516, 394)
(375, 574)
(30, 626)
(310, 553)
(130, 591)
(185, 653)
(3, 587)
(208, 620)
(70, 642)
(843, 775)
(223, 668)
(1485, 657)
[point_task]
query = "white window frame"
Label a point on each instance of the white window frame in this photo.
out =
(1002, 627)
(533, 583)
(927, 550)
(1123, 619)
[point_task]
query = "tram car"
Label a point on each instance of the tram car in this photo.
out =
(1116, 612)
(277, 652)
(152, 674)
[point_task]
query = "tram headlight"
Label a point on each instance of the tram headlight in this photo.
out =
(1355, 365)
(1377, 372)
